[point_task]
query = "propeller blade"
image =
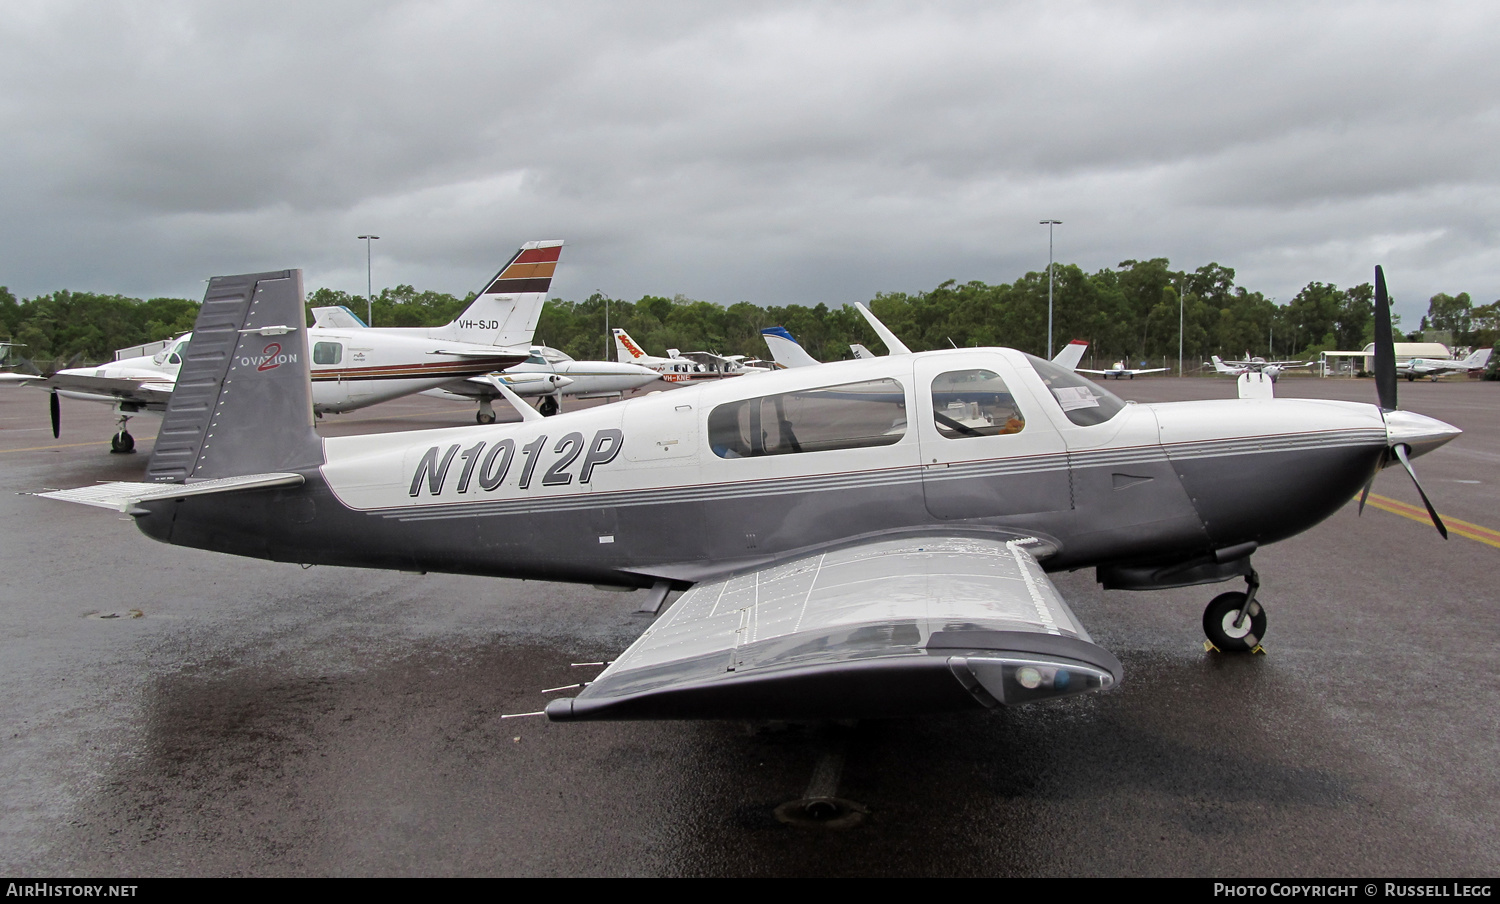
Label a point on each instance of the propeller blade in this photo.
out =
(56, 409)
(1385, 348)
(1406, 463)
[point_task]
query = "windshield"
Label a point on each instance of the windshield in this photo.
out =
(1082, 400)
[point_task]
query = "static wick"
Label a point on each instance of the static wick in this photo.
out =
(565, 687)
(520, 715)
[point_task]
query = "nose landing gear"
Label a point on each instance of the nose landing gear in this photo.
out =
(1236, 622)
(122, 443)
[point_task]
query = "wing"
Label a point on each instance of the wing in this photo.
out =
(1149, 370)
(152, 391)
(884, 628)
(1085, 370)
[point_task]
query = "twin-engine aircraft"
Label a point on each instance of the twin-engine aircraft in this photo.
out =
(893, 520)
(1256, 365)
(1433, 369)
(352, 365)
(550, 374)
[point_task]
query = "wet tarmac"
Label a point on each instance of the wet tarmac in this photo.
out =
(172, 712)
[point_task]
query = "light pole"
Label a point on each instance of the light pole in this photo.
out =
(1181, 310)
(1049, 224)
(369, 284)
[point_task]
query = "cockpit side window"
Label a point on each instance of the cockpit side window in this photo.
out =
(1082, 400)
(848, 416)
(967, 403)
(327, 353)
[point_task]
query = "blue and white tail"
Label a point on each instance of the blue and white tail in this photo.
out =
(785, 349)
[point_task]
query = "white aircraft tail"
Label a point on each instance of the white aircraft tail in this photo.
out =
(506, 312)
(629, 349)
(1071, 355)
(1478, 360)
(1220, 366)
(785, 349)
(860, 351)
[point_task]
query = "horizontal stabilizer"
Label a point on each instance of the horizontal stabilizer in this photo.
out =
(886, 628)
(125, 496)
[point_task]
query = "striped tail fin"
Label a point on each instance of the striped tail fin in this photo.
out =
(506, 312)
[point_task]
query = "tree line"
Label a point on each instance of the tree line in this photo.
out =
(1129, 312)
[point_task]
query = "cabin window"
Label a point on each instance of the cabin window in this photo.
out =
(1082, 400)
(537, 359)
(327, 352)
(968, 403)
(848, 416)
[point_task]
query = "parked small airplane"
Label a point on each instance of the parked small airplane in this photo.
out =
(1120, 370)
(674, 368)
(352, 365)
(724, 365)
(894, 519)
(1256, 365)
(549, 374)
(1428, 367)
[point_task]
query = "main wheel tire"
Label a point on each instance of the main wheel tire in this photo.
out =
(122, 443)
(549, 406)
(483, 418)
(1220, 622)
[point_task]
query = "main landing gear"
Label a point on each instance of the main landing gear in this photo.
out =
(486, 414)
(1236, 622)
(549, 406)
(122, 443)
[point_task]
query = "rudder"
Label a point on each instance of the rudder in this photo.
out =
(243, 399)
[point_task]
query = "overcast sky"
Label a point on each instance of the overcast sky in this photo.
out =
(768, 152)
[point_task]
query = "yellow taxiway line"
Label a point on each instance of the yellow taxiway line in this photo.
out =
(97, 442)
(1418, 513)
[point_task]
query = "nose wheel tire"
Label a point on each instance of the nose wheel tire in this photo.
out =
(483, 418)
(549, 406)
(122, 443)
(1221, 622)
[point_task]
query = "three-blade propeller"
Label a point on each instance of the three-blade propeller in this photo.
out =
(1385, 388)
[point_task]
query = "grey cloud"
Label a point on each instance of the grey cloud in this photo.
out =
(765, 152)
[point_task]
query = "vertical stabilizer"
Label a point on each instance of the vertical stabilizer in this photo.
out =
(243, 399)
(786, 350)
(507, 311)
(628, 348)
(1071, 354)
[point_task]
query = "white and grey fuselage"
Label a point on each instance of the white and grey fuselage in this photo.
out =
(587, 496)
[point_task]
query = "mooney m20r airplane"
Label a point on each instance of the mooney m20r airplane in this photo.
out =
(893, 522)
(352, 366)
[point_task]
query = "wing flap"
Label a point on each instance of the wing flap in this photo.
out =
(123, 496)
(891, 627)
